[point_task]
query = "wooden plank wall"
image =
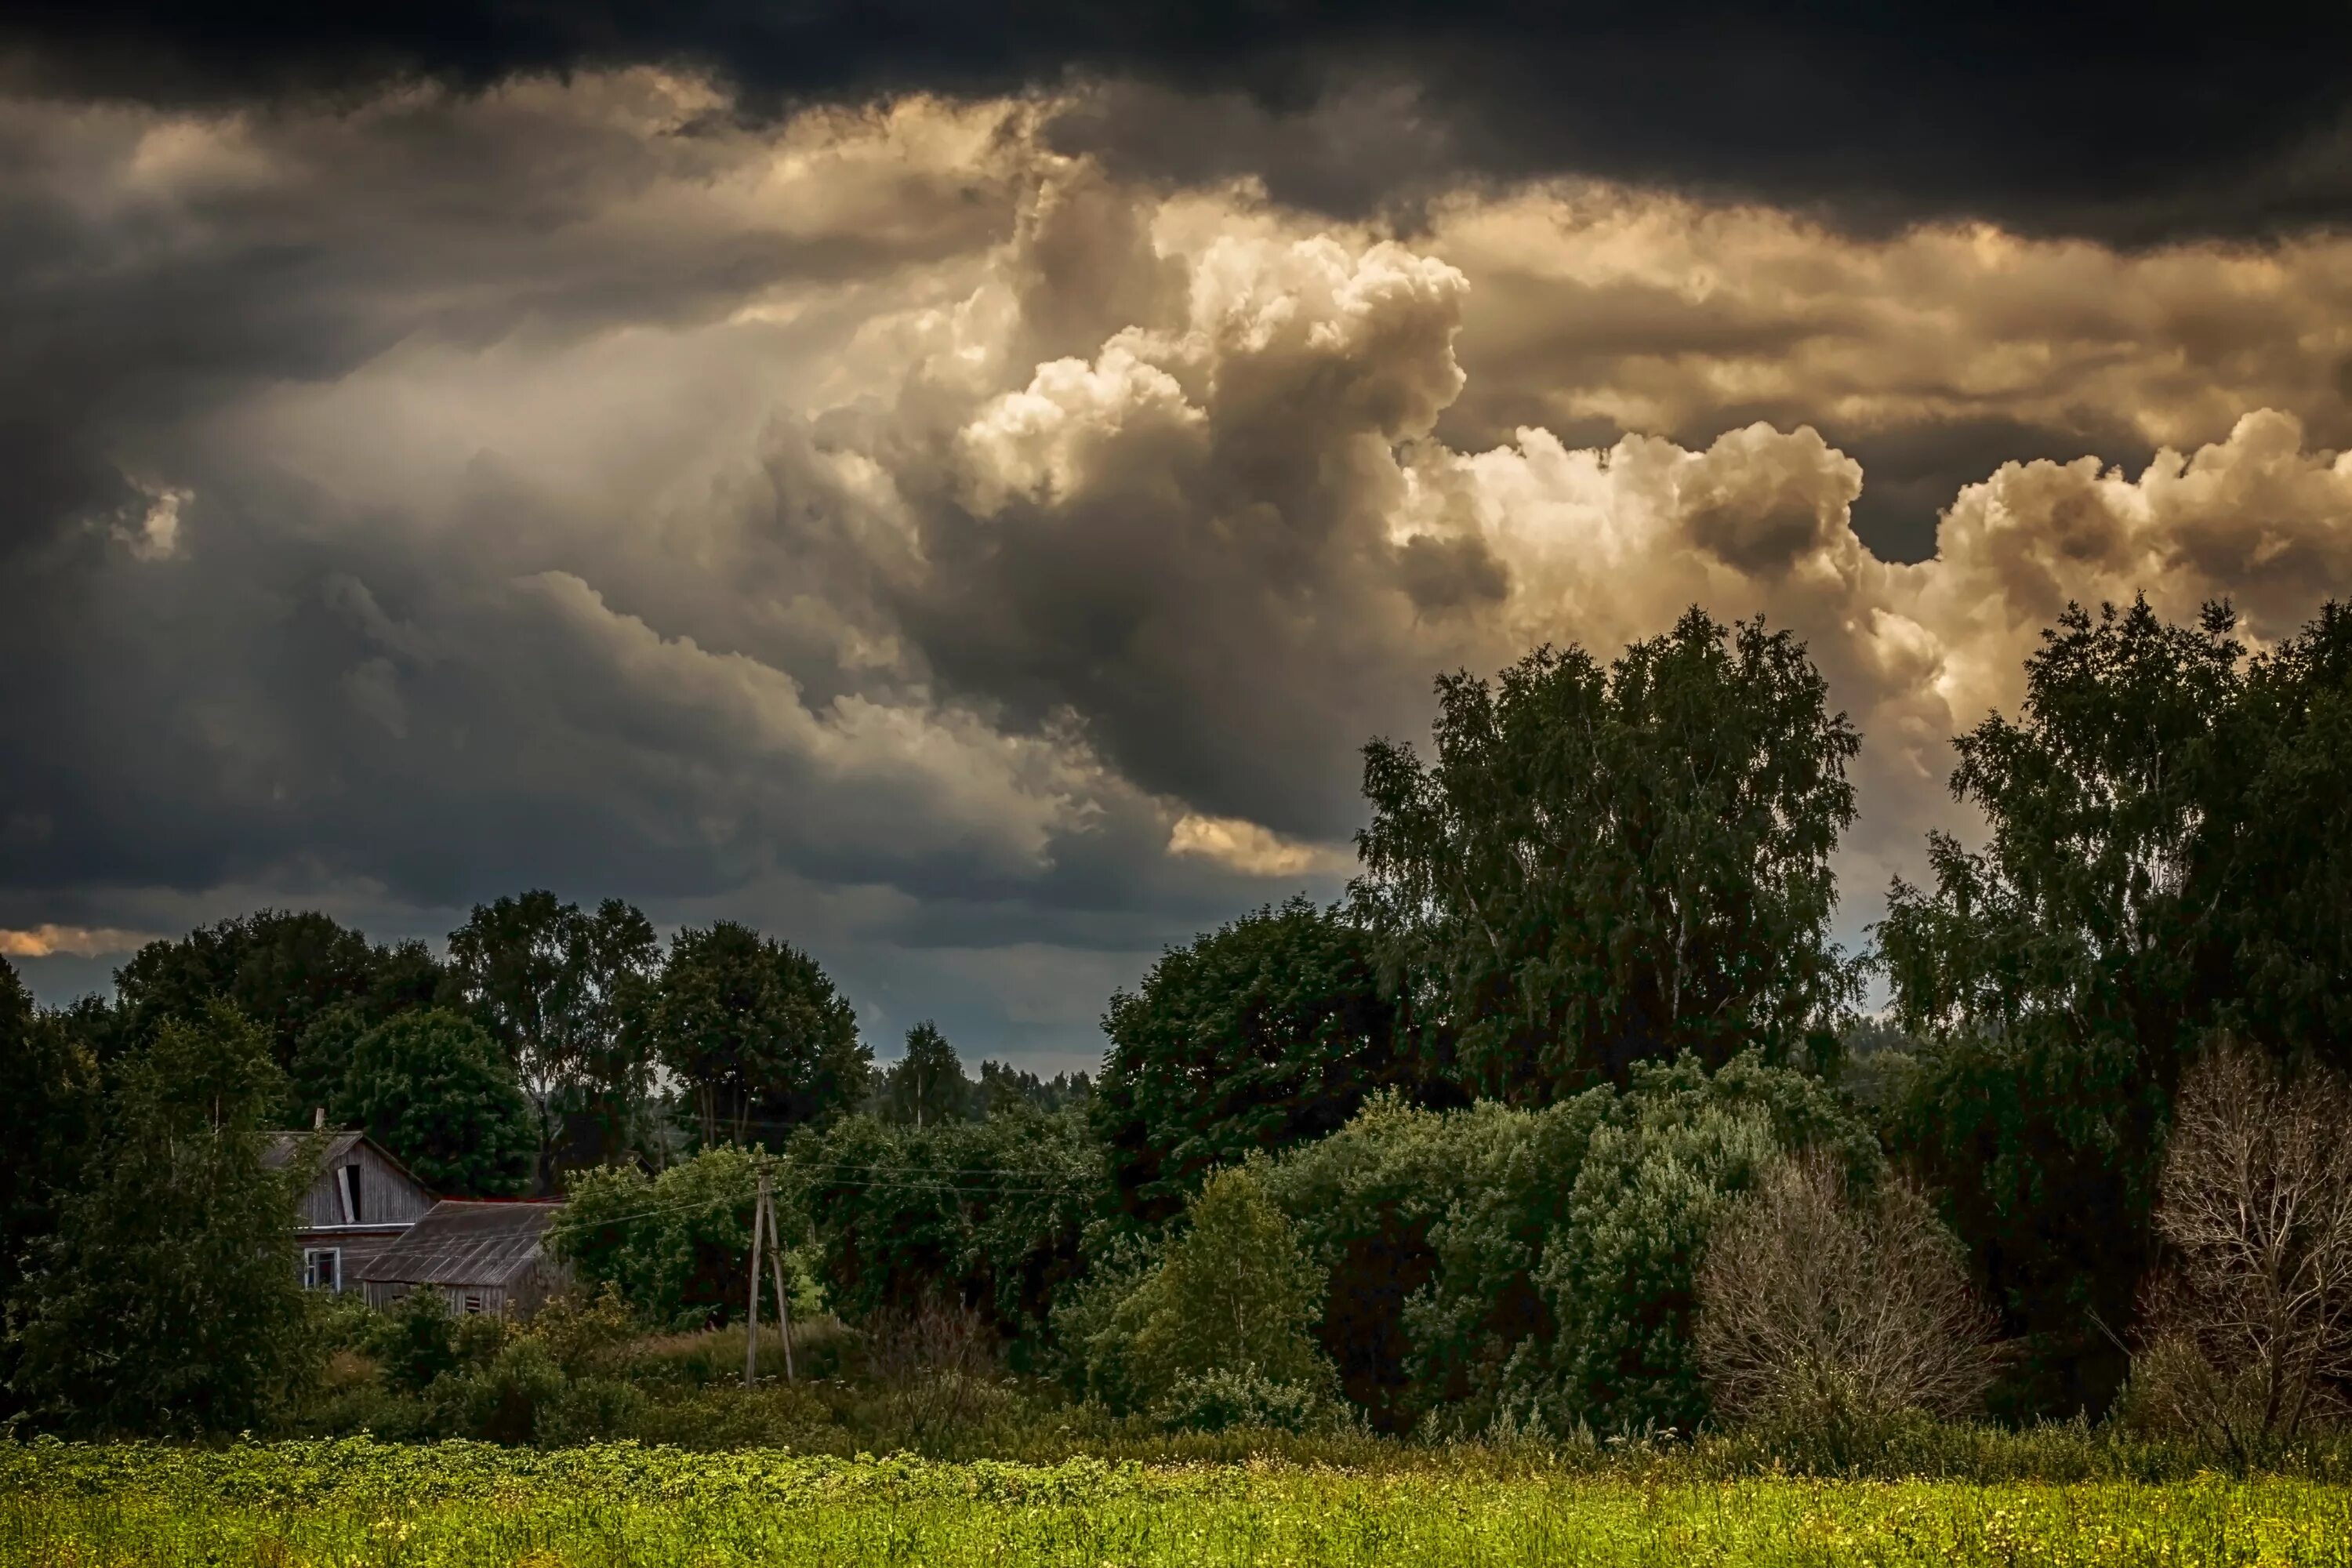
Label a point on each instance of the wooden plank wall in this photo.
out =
(386, 1195)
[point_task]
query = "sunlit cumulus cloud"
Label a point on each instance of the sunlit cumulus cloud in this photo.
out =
(981, 559)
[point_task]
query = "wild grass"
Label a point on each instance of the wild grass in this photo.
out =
(606, 1506)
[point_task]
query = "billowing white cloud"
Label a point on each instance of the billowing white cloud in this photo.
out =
(885, 528)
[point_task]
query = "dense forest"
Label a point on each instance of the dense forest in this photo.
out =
(1569, 1113)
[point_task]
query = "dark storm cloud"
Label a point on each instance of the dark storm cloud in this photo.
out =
(220, 672)
(2153, 122)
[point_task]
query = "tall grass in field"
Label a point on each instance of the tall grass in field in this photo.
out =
(443, 1506)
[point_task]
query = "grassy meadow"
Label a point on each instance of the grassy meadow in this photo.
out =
(349, 1503)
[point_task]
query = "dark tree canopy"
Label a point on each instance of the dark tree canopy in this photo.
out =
(432, 1088)
(1006, 1090)
(563, 990)
(168, 1301)
(1263, 1034)
(48, 1114)
(2292, 868)
(926, 1085)
(757, 1035)
(1606, 867)
(283, 969)
(2167, 859)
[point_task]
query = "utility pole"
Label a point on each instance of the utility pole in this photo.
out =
(763, 1228)
(751, 1327)
(776, 1262)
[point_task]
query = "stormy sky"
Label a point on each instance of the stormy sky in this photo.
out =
(955, 484)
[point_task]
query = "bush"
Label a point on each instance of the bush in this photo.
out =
(414, 1342)
(986, 1214)
(1230, 1397)
(1828, 1320)
(2251, 1333)
(1235, 1291)
(1496, 1262)
(501, 1401)
(587, 1410)
(676, 1248)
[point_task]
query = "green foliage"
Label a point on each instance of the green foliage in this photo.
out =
(1225, 1398)
(1496, 1262)
(564, 991)
(459, 1504)
(280, 968)
(1265, 1034)
(2160, 836)
(413, 1341)
(168, 1300)
(1608, 867)
(503, 1400)
(926, 1085)
(1618, 1277)
(675, 1247)
(432, 1088)
(986, 1214)
(756, 1033)
(48, 1114)
(1232, 1292)
(1006, 1090)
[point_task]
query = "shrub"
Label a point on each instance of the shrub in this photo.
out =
(1496, 1262)
(2250, 1334)
(1230, 1397)
(1235, 1291)
(501, 1401)
(676, 1248)
(414, 1342)
(1829, 1318)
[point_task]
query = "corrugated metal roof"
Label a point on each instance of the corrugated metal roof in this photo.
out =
(465, 1244)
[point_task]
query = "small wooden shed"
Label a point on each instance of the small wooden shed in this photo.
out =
(483, 1255)
(361, 1201)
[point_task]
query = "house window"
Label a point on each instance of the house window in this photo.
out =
(473, 1303)
(322, 1268)
(348, 1185)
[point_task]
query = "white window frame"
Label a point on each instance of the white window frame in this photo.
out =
(333, 1258)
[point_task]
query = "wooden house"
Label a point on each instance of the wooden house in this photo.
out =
(483, 1255)
(361, 1202)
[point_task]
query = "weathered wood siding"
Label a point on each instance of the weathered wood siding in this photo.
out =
(387, 1194)
(492, 1300)
(359, 1247)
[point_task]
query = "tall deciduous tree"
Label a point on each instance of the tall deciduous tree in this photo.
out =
(168, 1300)
(926, 1085)
(2064, 973)
(285, 970)
(1609, 865)
(2289, 877)
(756, 1034)
(49, 1112)
(1263, 1034)
(432, 1088)
(563, 992)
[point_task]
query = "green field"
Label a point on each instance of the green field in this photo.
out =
(352, 1503)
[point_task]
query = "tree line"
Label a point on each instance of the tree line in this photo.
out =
(1460, 1145)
